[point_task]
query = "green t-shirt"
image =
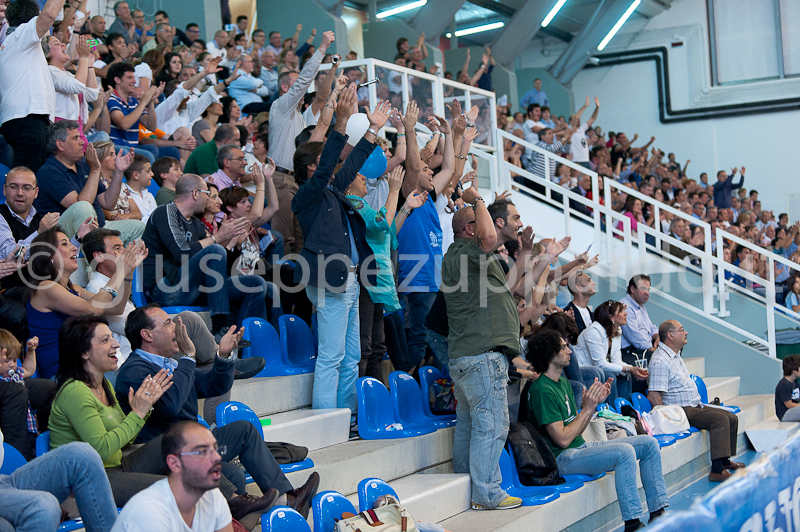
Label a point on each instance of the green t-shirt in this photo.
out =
(203, 160)
(482, 316)
(549, 402)
(164, 196)
(77, 415)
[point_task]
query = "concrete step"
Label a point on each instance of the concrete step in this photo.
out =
(431, 498)
(341, 467)
(696, 366)
(314, 429)
(769, 434)
(726, 388)
(271, 395)
(593, 506)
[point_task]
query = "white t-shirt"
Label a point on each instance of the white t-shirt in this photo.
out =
(586, 315)
(155, 510)
(446, 221)
(309, 117)
(26, 85)
(579, 146)
(146, 202)
(115, 323)
(530, 136)
(143, 70)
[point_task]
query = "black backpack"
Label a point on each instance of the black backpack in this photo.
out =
(535, 462)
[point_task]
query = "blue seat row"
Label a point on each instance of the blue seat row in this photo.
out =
(294, 352)
(139, 299)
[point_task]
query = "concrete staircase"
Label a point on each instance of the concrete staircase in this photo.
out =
(420, 469)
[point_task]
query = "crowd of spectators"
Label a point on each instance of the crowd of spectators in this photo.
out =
(261, 208)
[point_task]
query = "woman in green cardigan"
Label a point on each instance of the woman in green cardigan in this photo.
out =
(86, 410)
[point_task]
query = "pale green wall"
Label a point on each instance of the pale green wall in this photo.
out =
(308, 12)
(205, 13)
(380, 40)
(562, 101)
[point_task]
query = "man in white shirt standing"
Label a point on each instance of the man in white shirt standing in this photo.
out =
(29, 97)
(579, 145)
(189, 498)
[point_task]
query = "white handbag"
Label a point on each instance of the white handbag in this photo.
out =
(668, 419)
(391, 517)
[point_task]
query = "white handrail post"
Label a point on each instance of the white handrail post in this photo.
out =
(373, 91)
(642, 237)
(626, 229)
(722, 294)
(567, 213)
(708, 280)
(404, 87)
(598, 219)
(773, 350)
(657, 224)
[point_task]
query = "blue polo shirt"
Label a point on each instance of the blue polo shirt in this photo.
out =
(420, 254)
(118, 136)
(56, 181)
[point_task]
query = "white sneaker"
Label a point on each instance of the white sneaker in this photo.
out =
(507, 504)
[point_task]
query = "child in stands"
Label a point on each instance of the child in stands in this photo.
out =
(10, 371)
(166, 172)
(787, 392)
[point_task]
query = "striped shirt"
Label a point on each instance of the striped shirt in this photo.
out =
(536, 164)
(118, 136)
(669, 375)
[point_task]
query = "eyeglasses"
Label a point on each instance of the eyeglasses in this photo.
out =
(203, 191)
(219, 449)
(237, 158)
(25, 188)
(681, 330)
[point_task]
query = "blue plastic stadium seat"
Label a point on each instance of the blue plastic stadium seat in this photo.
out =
(308, 463)
(407, 402)
(573, 482)
(231, 411)
(530, 495)
(139, 299)
(427, 376)
(620, 402)
(153, 188)
(703, 391)
(640, 403)
(370, 490)
(42, 443)
(283, 519)
(265, 343)
(297, 344)
(605, 406)
(12, 460)
(203, 421)
(327, 507)
(375, 414)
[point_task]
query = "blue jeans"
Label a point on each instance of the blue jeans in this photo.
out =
(203, 273)
(336, 369)
(419, 304)
(621, 455)
(620, 386)
(482, 426)
(32, 494)
(439, 346)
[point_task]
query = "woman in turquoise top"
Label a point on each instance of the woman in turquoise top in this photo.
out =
(382, 228)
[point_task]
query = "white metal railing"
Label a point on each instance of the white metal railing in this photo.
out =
(712, 267)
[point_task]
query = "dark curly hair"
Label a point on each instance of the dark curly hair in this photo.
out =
(561, 323)
(21, 11)
(542, 349)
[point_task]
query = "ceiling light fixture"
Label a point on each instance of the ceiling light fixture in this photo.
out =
(618, 25)
(476, 29)
(553, 12)
(401, 9)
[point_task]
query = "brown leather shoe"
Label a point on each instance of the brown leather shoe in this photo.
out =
(246, 504)
(735, 465)
(300, 499)
(720, 477)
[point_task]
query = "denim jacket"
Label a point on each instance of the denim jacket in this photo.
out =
(323, 212)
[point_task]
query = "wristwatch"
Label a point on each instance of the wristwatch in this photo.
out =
(371, 130)
(109, 290)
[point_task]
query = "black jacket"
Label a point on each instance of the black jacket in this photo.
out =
(578, 317)
(323, 212)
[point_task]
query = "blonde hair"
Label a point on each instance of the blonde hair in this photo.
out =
(9, 342)
(103, 148)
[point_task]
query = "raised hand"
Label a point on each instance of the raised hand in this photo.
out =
(416, 200)
(396, 179)
(341, 82)
(92, 159)
(444, 126)
(88, 225)
(397, 121)
(82, 47)
(49, 221)
(150, 391)
(459, 125)
(299, 28)
(470, 134)
(502, 196)
(231, 339)
(472, 115)
(258, 175)
(410, 118)
(596, 101)
(469, 177)
(556, 248)
(135, 253)
(431, 124)
(380, 115)
(185, 344)
(526, 239)
(123, 162)
(10, 264)
(213, 66)
(455, 107)
(346, 103)
(470, 194)
(269, 169)
(327, 38)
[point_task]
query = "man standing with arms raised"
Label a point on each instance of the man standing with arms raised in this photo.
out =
(285, 123)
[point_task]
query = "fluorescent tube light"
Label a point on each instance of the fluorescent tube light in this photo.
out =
(401, 9)
(618, 25)
(476, 29)
(553, 12)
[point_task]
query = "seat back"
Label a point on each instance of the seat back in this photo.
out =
(297, 341)
(701, 388)
(406, 398)
(427, 376)
(137, 288)
(604, 406)
(231, 411)
(370, 489)
(283, 519)
(264, 341)
(12, 460)
(619, 402)
(153, 188)
(640, 403)
(374, 405)
(506, 466)
(328, 506)
(202, 421)
(42, 443)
